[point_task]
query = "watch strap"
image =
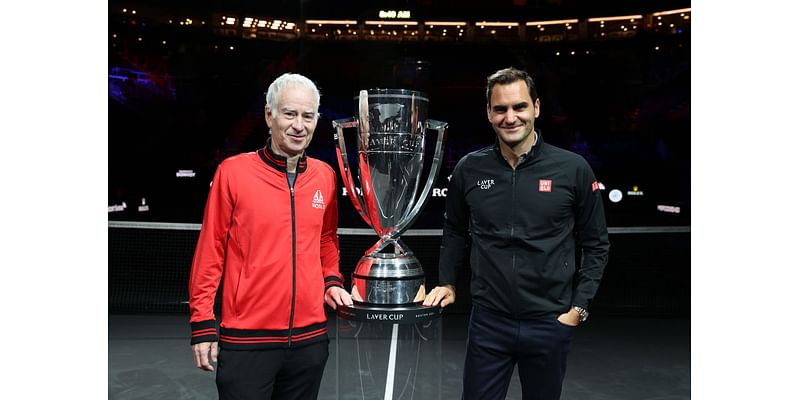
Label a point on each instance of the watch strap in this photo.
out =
(584, 314)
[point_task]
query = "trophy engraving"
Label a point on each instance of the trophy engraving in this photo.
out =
(390, 136)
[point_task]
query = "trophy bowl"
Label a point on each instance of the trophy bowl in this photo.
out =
(390, 134)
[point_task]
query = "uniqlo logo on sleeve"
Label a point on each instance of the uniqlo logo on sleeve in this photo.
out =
(595, 186)
(545, 185)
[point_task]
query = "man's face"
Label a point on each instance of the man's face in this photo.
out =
(293, 122)
(511, 112)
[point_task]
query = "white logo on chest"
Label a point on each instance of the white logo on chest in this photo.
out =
(319, 201)
(485, 184)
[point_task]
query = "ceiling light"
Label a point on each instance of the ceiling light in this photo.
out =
(331, 21)
(624, 17)
(682, 10)
(552, 22)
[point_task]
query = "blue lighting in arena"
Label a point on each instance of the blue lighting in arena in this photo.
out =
(124, 82)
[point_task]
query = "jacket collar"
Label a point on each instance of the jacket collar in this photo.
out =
(277, 161)
(527, 157)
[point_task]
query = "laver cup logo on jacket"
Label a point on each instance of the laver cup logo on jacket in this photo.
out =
(545, 185)
(485, 183)
(318, 201)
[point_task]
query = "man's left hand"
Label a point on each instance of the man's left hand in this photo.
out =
(336, 296)
(571, 318)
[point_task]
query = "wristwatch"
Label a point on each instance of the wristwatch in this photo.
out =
(582, 312)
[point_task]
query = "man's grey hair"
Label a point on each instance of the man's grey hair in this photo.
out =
(285, 80)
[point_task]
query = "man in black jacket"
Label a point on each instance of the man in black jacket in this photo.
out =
(517, 211)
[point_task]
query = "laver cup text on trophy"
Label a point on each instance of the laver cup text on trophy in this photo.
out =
(390, 129)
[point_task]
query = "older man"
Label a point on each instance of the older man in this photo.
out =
(269, 234)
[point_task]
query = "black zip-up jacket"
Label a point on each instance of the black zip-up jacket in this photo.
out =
(520, 228)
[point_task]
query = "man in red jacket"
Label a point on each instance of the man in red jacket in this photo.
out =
(269, 235)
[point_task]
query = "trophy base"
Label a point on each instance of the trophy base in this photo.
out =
(391, 315)
(389, 280)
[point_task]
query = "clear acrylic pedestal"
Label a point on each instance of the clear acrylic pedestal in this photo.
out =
(384, 354)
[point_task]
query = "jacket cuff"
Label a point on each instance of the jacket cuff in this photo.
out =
(581, 302)
(333, 281)
(204, 331)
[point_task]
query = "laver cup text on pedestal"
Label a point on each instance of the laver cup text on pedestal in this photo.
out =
(390, 135)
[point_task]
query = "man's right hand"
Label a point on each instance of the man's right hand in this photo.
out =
(201, 350)
(441, 295)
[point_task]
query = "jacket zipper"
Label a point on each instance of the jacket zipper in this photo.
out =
(513, 199)
(514, 253)
(294, 259)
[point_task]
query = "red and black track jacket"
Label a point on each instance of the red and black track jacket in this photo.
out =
(275, 248)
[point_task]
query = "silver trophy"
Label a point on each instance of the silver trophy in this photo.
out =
(390, 129)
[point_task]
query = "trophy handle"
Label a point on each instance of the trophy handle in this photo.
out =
(436, 164)
(344, 166)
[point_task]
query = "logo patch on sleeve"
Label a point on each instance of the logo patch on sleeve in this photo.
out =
(545, 185)
(595, 186)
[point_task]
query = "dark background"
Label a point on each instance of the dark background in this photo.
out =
(181, 99)
(624, 106)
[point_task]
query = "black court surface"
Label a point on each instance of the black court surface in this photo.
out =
(612, 358)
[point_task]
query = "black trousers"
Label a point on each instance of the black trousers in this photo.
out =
(495, 344)
(280, 374)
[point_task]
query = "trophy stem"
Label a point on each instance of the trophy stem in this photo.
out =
(400, 248)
